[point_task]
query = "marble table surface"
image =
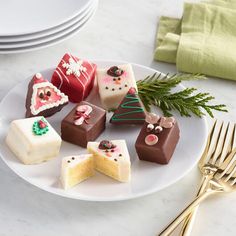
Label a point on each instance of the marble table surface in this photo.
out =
(120, 30)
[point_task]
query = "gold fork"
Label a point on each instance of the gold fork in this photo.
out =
(223, 180)
(220, 143)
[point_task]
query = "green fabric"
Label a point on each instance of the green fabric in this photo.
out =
(203, 41)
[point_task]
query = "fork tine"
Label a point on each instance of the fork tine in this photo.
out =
(228, 143)
(220, 146)
(214, 143)
(227, 164)
(209, 149)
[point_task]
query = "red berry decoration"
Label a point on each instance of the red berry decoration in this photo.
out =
(42, 124)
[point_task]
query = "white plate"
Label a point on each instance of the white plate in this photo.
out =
(146, 177)
(45, 33)
(51, 42)
(50, 37)
(27, 16)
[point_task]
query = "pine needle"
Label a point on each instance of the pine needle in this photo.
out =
(156, 90)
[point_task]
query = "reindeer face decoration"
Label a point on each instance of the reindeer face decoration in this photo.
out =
(155, 126)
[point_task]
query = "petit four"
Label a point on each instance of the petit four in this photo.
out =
(114, 83)
(84, 123)
(74, 77)
(111, 158)
(157, 139)
(33, 140)
(43, 98)
(75, 169)
(130, 110)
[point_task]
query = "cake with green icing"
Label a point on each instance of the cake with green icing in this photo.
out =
(130, 110)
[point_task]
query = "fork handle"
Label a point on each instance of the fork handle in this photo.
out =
(189, 220)
(168, 230)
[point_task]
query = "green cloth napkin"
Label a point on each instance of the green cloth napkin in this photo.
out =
(203, 41)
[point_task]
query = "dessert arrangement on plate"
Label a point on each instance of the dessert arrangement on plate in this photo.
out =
(33, 140)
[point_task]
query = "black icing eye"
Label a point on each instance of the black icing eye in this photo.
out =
(41, 94)
(120, 155)
(114, 79)
(150, 127)
(119, 78)
(113, 89)
(48, 92)
(126, 85)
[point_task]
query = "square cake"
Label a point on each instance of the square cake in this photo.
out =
(33, 140)
(74, 77)
(157, 139)
(111, 158)
(75, 169)
(114, 83)
(84, 123)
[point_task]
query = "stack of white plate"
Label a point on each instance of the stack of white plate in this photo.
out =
(28, 25)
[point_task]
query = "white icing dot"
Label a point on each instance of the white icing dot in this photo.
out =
(38, 75)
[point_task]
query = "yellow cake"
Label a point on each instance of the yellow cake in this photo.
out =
(111, 158)
(75, 169)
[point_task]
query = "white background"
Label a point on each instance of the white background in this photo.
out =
(120, 30)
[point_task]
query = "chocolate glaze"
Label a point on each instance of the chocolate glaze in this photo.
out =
(163, 150)
(81, 134)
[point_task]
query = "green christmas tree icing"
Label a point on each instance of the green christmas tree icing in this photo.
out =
(128, 104)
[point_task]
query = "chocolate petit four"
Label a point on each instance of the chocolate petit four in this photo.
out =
(157, 139)
(111, 158)
(130, 110)
(33, 140)
(74, 77)
(114, 83)
(43, 98)
(75, 169)
(84, 123)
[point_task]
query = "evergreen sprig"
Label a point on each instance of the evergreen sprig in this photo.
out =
(157, 90)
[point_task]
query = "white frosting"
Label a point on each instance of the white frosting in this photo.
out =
(31, 148)
(63, 100)
(38, 75)
(74, 67)
(109, 98)
(72, 161)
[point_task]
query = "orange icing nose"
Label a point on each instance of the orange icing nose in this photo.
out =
(117, 81)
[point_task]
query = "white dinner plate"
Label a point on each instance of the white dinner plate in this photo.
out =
(50, 42)
(50, 37)
(42, 34)
(146, 177)
(27, 16)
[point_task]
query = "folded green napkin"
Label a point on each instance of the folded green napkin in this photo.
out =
(203, 41)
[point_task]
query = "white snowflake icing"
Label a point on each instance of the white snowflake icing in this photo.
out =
(74, 67)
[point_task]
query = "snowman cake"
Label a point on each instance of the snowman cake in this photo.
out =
(75, 169)
(111, 158)
(114, 83)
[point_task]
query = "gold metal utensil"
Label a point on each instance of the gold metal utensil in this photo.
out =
(223, 181)
(220, 143)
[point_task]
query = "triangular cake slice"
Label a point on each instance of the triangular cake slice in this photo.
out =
(43, 98)
(75, 169)
(130, 110)
(111, 158)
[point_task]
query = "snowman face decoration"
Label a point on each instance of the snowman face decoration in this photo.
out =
(116, 79)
